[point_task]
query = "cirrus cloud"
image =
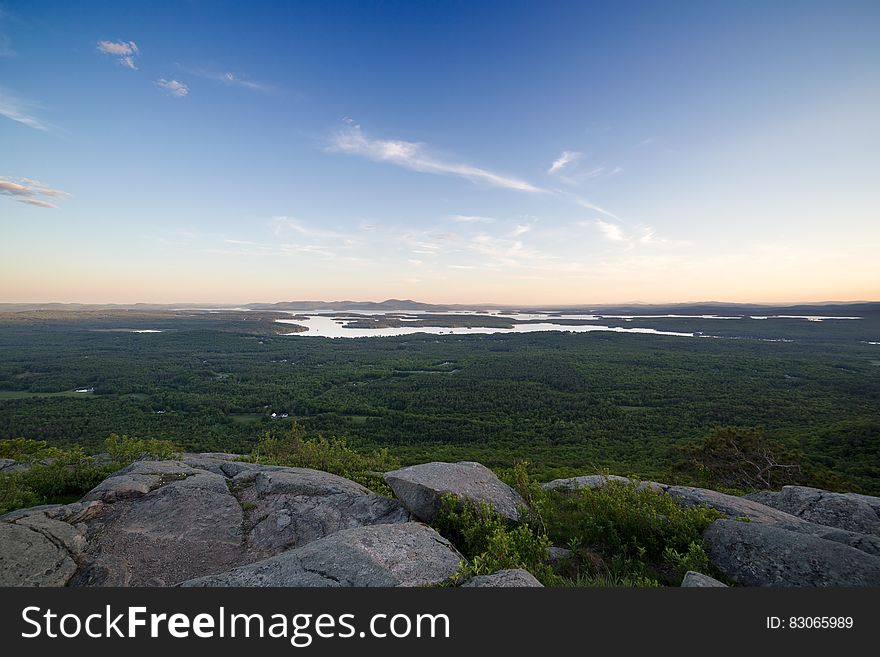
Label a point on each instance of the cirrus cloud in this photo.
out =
(173, 87)
(566, 158)
(414, 156)
(26, 190)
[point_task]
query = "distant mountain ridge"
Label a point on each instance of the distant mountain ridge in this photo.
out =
(843, 308)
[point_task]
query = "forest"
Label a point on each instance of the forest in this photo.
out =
(569, 403)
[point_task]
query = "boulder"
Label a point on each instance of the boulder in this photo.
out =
(759, 554)
(598, 480)
(409, 554)
(741, 507)
(514, 578)
(421, 487)
(159, 523)
(29, 558)
(586, 481)
(843, 511)
(557, 555)
(294, 506)
(731, 505)
(693, 579)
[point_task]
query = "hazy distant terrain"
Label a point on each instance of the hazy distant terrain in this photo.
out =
(565, 401)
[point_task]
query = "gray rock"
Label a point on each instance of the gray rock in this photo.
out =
(421, 487)
(514, 578)
(186, 528)
(556, 555)
(873, 502)
(765, 497)
(758, 554)
(741, 507)
(409, 554)
(731, 505)
(693, 579)
(586, 481)
(28, 558)
(159, 523)
(12, 516)
(598, 480)
(843, 511)
(211, 461)
(295, 506)
(8, 466)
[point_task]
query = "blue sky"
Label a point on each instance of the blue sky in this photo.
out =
(451, 151)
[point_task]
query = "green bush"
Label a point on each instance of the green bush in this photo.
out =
(619, 534)
(123, 449)
(25, 450)
(619, 529)
(333, 455)
(59, 475)
(490, 542)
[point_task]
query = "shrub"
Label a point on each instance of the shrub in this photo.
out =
(58, 475)
(490, 542)
(332, 455)
(123, 449)
(25, 450)
(743, 458)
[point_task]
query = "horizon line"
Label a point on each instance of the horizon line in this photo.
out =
(432, 303)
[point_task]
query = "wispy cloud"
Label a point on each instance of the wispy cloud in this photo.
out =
(631, 238)
(252, 248)
(499, 251)
(429, 243)
(19, 110)
(124, 51)
(230, 79)
(566, 158)
(611, 232)
(32, 192)
(588, 205)
(470, 219)
(173, 87)
(280, 225)
(414, 156)
(521, 229)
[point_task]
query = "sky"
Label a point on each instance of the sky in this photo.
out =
(449, 152)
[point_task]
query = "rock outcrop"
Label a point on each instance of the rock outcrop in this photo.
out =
(159, 523)
(748, 509)
(214, 520)
(421, 488)
(513, 578)
(695, 580)
(847, 511)
(598, 481)
(797, 537)
(758, 554)
(410, 554)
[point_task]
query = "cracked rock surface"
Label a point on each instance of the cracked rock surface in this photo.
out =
(408, 554)
(847, 511)
(159, 523)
